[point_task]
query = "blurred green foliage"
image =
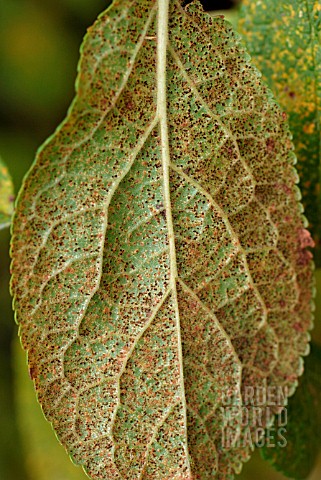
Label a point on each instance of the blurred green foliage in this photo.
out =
(39, 45)
(6, 196)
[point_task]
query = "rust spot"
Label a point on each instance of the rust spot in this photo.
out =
(270, 144)
(32, 372)
(304, 257)
(305, 238)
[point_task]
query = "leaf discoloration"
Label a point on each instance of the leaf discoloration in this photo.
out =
(157, 267)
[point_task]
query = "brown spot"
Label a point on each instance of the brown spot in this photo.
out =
(305, 238)
(270, 144)
(285, 188)
(32, 372)
(297, 327)
(304, 257)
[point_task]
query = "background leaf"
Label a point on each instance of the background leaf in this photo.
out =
(299, 456)
(283, 39)
(6, 196)
(111, 311)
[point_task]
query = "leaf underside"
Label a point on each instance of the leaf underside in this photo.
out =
(283, 39)
(159, 252)
(44, 457)
(6, 196)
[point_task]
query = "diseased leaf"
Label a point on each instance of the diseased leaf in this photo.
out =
(298, 457)
(6, 196)
(45, 459)
(283, 39)
(159, 254)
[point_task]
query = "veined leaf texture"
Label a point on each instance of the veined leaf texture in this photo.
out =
(159, 251)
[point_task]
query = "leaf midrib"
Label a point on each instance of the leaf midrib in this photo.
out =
(162, 47)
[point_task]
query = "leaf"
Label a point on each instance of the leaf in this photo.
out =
(283, 39)
(317, 313)
(6, 196)
(45, 458)
(298, 457)
(231, 15)
(159, 253)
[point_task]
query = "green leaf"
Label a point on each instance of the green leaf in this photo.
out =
(45, 458)
(6, 196)
(299, 456)
(283, 39)
(316, 333)
(159, 252)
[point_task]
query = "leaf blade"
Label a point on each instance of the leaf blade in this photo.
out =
(95, 252)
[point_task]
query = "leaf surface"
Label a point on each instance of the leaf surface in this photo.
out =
(45, 459)
(159, 252)
(6, 196)
(284, 40)
(298, 457)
